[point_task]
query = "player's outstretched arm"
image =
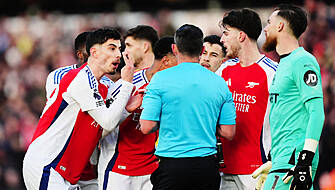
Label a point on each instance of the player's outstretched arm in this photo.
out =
(108, 118)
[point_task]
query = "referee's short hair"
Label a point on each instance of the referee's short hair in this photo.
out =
(246, 20)
(100, 36)
(295, 16)
(189, 40)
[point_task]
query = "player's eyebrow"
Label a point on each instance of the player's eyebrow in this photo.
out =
(113, 45)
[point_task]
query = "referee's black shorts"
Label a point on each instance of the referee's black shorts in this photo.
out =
(186, 174)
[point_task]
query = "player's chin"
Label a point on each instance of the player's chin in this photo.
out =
(230, 55)
(112, 71)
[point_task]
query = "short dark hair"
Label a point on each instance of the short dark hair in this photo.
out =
(295, 16)
(163, 47)
(246, 20)
(214, 39)
(80, 40)
(100, 36)
(189, 40)
(143, 32)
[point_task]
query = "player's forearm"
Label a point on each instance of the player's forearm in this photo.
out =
(226, 131)
(315, 123)
(148, 126)
(108, 118)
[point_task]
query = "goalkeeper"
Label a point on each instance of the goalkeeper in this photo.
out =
(297, 115)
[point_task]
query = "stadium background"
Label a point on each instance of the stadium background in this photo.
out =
(37, 36)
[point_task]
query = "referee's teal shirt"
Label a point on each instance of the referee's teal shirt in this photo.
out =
(189, 101)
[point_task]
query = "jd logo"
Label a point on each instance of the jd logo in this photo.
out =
(310, 78)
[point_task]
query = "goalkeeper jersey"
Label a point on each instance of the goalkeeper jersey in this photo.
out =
(296, 81)
(250, 88)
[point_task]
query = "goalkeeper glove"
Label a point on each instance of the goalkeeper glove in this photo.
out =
(262, 171)
(301, 173)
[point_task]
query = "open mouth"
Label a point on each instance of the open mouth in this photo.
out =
(116, 63)
(205, 65)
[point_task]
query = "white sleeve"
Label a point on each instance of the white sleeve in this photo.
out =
(108, 118)
(49, 85)
(124, 116)
(85, 92)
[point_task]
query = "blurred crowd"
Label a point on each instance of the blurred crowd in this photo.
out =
(33, 45)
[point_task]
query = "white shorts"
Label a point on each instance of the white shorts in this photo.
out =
(124, 182)
(32, 179)
(107, 151)
(237, 182)
(88, 185)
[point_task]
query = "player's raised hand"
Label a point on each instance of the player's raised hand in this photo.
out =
(127, 72)
(134, 102)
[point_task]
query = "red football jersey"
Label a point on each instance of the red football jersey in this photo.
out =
(134, 154)
(250, 89)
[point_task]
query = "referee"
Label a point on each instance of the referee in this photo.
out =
(187, 103)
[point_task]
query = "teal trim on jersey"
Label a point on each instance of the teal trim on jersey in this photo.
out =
(187, 100)
(296, 81)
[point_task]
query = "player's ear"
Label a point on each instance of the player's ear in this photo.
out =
(93, 52)
(79, 55)
(146, 46)
(280, 26)
(174, 49)
(242, 36)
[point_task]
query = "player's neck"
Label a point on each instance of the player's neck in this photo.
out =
(147, 61)
(96, 70)
(249, 55)
(286, 44)
(79, 64)
(115, 77)
(153, 69)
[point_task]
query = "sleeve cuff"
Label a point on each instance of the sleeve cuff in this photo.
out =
(311, 145)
